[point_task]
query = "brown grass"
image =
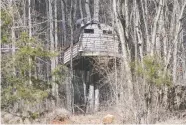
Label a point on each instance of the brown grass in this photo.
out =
(98, 118)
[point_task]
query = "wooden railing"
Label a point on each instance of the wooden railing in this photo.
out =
(94, 43)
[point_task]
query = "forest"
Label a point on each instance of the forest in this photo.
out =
(93, 61)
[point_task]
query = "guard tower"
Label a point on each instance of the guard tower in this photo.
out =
(92, 40)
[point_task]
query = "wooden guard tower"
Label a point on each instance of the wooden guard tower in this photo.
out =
(92, 40)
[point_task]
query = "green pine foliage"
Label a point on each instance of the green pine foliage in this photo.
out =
(152, 70)
(15, 72)
(6, 23)
(60, 73)
(16, 67)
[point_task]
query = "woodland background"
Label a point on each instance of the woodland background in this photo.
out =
(146, 87)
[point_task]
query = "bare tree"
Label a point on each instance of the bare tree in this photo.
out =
(87, 9)
(30, 33)
(96, 10)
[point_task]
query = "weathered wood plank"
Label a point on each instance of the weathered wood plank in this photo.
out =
(67, 53)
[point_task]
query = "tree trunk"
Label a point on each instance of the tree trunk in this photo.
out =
(13, 47)
(90, 108)
(63, 16)
(175, 42)
(155, 25)
(96, 108)
(71, 54)
(30, 35)
(84, 75)
(87, 9)
(56, 48)
(52, 48)
(80, 9)
(145, 16)
(96, 10)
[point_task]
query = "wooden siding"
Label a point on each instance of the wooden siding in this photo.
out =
(67, 53)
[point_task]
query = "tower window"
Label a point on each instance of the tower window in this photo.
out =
(104, 32)
(107, 32)
(88, 30)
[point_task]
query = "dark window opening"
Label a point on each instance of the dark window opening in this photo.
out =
(107, 32)
(104, 32)
(88, 30)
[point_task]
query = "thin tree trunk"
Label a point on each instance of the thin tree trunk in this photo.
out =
(175, 42)
(172, 30)
(30, 35)
(155, 25)
(96, 10)
(91, 99)
(56, 48)
(135, 32)
(13, 47)
(145, 15)
(13, 34)
(160, 32)
(87, 9)
(80, 8)
(52, 48)
(126, 13)
(115, 64)
(84, 75)
(63, 8)
(96, 108)
(71, 55)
